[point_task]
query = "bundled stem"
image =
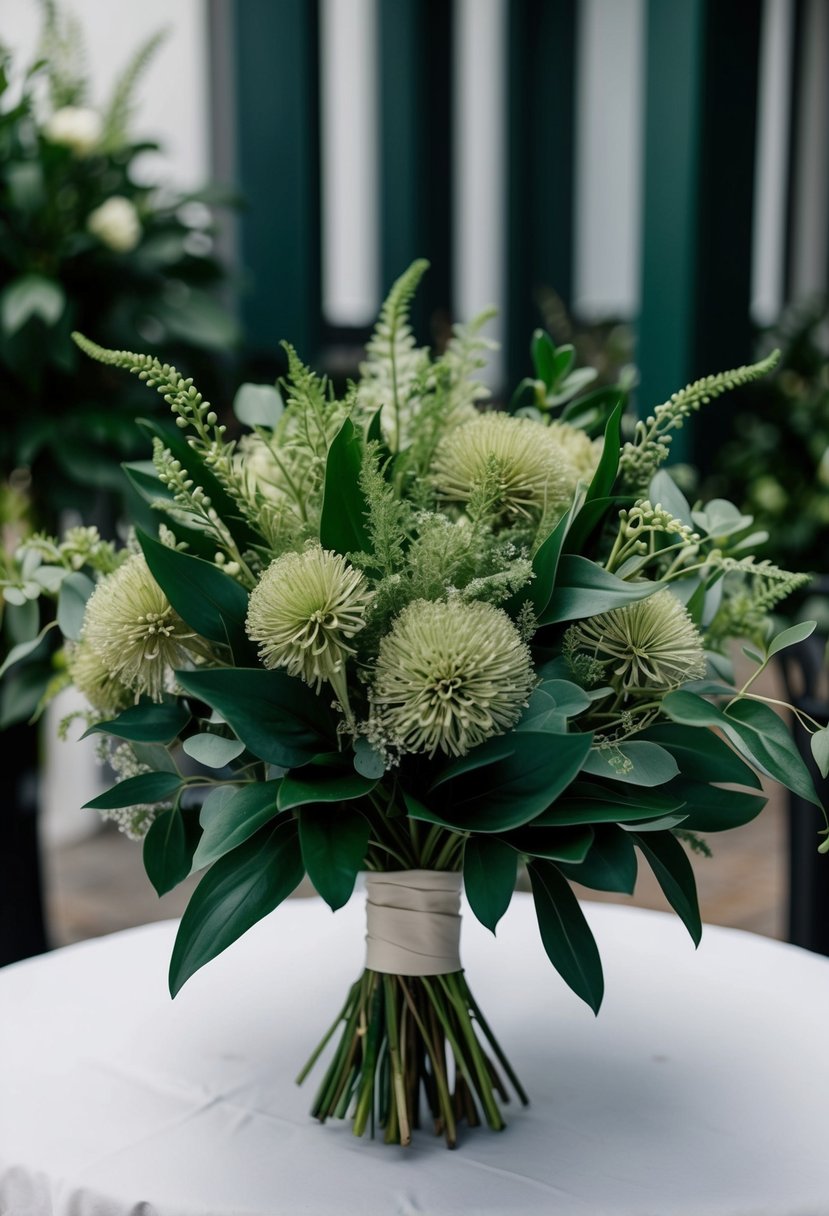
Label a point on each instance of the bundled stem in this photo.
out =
(406, 1037)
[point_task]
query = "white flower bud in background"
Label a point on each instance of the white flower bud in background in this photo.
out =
(76, 128)
(116, 224)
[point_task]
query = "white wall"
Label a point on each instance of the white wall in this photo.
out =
(172, 96)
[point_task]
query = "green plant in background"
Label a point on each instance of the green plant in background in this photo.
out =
(388, 632)
(83, 243)
(775, 463)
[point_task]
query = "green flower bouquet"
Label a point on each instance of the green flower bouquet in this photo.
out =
(398, 634)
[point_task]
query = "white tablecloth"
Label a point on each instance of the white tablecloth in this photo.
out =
(702, 1089)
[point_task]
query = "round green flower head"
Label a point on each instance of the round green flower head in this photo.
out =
(104, 692)
(530, 471)
(303, 612)
(131, 627)
(652, 644)
(450, 675)
(580, 451)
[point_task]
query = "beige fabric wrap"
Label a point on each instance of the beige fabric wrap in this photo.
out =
(413, 922)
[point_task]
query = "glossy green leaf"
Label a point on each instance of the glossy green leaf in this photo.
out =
(608, 466)
(584, 589)
(321, 784)
(232, 820)
(213, 751)
(565, 933)
(672, 869)
(75, 590)
(515, 787)
(543, 354)
(210, 601)
(344, 508)
(147, 722)
(277, 717)
(490, 868)
(542, 715)
(146, 787)
(555, 844)
(545, 565)
(334, 842)
(649, 763)
(710, 808)
(592, 802)
(698, 750)
(239, 890)
(169, 846)
(610, 864)
(570, 699)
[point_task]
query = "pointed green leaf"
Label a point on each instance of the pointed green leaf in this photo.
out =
(234, 819)
(566, 935)
(791, 637)
(315, 784)
(673, 871)
(210, 601)
(239, 890)
(147, 722)
(709, 808)
(698, 750)
(169, 846)
(553, 843)
(334, 841)
(592, 802)
(146, 787)
(585, 589)
(277, 717)
(490, 869)
(344, 508)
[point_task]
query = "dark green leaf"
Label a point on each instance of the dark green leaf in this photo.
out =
(147, 722)
(570, 699)
(608, 466)
(545, 566)
(490, 869)
(566, 935)
(591, 802)
(709, 808)
(367, 761)
(169, 846)
(211, 602)
(585, 589)
(280, 719)
(235, 819)
(670, 864)
(554, 844)
(697, 750)
(344, 508)
(239, 890)
(315, 784)
(146, 787)
(543, 353)
(610, 864)
(514, 788)
(334, 841)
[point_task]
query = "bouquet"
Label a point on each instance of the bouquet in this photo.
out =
(397, 632)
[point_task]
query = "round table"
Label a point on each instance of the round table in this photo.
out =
(700, 1090)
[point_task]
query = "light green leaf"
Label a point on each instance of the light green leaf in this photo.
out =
(213, 751)
(819, 743)
(649, 764)
(32, 295)
(367, 761)
(791, 637)
(258, 405)
(75, 590)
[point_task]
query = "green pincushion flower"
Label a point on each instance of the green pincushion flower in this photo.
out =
(304, 611)
(531, 473)
(652, 644)
(104, 692)
(580, 451)
(450, 675)
(132, 629)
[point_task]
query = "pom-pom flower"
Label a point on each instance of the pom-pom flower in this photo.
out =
(131, 626)
(532, 473)
(578, 449)
(652, 644)
(304, 611)
(104, 692)
(450, 675)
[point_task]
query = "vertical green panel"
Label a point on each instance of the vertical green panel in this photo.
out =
(670, 217)
(541, 154)
(700, 126)
(277, 141)
(416, 150)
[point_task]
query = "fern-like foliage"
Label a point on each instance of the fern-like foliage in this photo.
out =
(394, 365)
(119, 110)
(63, 50)
(652, 439)
(745, 608)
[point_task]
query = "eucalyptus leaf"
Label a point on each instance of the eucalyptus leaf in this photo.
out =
(791, 637)
(367, 761)
(634, 762)
(819, 743)
(213, 751)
